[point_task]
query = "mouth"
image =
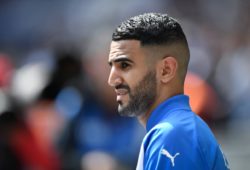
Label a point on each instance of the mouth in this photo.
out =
(120, 93)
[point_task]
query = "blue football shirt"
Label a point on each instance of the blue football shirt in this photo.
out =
(178, 139)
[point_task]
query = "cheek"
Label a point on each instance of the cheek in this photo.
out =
(131, 83)
(132, 78)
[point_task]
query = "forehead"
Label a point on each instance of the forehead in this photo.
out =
(126, 48)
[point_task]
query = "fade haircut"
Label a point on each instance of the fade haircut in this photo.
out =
(156, 29)
(150, 29)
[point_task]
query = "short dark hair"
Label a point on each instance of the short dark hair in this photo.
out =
(150, 29)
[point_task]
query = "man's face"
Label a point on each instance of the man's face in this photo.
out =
(130, 75)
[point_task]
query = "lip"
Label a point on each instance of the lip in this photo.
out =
(120, 92)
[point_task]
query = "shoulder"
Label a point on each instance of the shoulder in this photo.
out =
(168, 134)
(177, 126)
(186, 139)
(178, 137)
(161, 131)
(170, 145)
(171, 136)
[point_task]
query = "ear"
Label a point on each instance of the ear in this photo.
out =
(168, 68)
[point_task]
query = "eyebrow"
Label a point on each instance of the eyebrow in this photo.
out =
(120, 59)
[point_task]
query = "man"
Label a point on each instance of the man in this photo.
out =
(149, 57)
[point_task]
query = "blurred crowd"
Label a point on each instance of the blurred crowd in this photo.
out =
(57, 120)
(56, 109)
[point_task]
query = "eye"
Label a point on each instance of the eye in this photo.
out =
(124, 65)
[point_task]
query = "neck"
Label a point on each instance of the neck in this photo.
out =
(144, 117)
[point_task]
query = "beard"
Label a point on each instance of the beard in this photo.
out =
(141, 98)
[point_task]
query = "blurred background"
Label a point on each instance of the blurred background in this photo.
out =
(56, 109)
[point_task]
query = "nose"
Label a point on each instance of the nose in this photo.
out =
(114, 78)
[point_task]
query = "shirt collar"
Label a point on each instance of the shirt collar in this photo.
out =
(166, 107)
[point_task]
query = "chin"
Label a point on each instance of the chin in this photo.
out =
(121, 105)
(120, 108)
(123, 111)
